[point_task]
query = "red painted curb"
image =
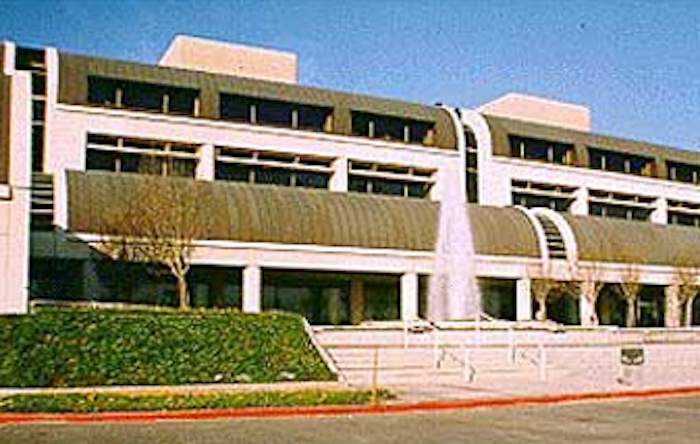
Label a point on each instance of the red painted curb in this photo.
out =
(271, 412)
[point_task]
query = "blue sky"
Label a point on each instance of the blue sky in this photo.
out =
(635, 63)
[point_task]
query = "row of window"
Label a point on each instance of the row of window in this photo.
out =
(284, 169)
(602, 203)
(472, 167)
(144, 156)
(563, 204)
(393, 129)
(600, 159)
(33, 61)
(393, 180)
(142, 96)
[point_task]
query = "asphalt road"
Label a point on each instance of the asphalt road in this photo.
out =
(657, 420)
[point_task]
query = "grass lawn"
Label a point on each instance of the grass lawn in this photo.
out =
(91, 403)
(82, 348)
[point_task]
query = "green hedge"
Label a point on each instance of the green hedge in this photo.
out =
(71, 348)
(106, 402)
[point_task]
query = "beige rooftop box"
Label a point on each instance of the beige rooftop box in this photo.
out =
(212, 56)
(539, 110)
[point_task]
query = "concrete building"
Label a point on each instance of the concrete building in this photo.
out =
(340, 206)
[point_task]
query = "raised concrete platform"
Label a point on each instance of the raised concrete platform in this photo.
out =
(464, 361)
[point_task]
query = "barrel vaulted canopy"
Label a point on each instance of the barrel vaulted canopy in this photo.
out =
(273, 214)
(617, 240)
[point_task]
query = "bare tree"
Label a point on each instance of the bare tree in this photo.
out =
(157, 221)
(589, 288)
(629, 289)
(686, 278)
(542, 286)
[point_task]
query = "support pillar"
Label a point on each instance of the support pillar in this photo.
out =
(252, 289)
(523, 299)
(586, 309)
(409, 296)
(339, 180)
(672, 312)
(205, 166)
(357, 301)
(579, 206)
(660, 213)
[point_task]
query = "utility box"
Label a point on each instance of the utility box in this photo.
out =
(631, 356)
(632, 360)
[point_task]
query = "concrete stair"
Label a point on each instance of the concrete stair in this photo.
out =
(392, 356)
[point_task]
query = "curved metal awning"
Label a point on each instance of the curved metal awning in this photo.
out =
(259, 213)
(616, 240)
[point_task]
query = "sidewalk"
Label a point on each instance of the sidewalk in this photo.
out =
(414, 398)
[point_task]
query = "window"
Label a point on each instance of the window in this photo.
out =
(272, 168)
(38, 111)
(29, 59)
(684, 213)
(237, 108)
(620, 162)
(541, 150)
(618, 211)
(315, 118)
(38, 147)
(39, 84)
(393, 129)
(142, 156)
(683, 172)
(276, 113)
(692, 220)
(141, 96)
(273, 113)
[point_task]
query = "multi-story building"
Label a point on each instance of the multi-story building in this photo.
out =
(337, 205)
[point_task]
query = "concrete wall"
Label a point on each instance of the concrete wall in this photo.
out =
(496, 174)
(15, 200)
(72, 123)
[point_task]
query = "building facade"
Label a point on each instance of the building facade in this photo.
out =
(340, 206)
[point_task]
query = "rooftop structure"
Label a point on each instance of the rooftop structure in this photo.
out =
(200, 54)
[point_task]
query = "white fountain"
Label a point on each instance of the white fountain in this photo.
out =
(453, 290)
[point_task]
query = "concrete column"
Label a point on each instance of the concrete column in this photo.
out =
(672, 311)
(93, 289)
(8, 65)
(409, 296)
(660, 213)
(252, 289)
(205, 166)
(585, 306)
(333, 296)
(339, 180)
(580, 204)
(523, 299)
(357, 301)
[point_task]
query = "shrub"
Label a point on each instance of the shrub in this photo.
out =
(69, 348)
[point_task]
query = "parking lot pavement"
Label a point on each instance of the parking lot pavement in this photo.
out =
(653, 420)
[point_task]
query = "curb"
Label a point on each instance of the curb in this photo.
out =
(311, 411)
